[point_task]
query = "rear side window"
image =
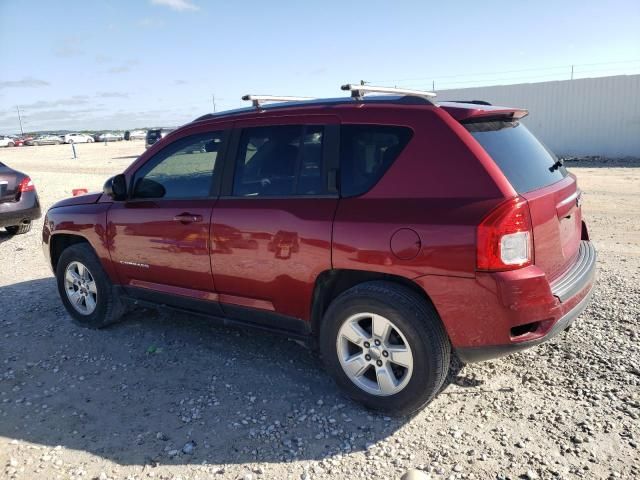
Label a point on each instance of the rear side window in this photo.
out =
(366, 152)
(280, 160)
(524, 160)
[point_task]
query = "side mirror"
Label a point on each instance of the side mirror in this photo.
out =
(116, 187)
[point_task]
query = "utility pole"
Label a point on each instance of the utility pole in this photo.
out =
(213, 99)
(20, 120)
(571, 72)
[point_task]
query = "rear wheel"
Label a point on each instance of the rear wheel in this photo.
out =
(19, 229)
(11, 144)
(385, 346)
(85, 289)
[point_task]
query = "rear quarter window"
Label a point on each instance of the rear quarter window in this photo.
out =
(524, 160)
(366, 152)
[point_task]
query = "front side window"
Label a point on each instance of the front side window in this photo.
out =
(280, 161)
(183, 169)
(366, 152)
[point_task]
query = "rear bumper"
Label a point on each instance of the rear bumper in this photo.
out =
(480, 354)
(15, 213)
(497, 314)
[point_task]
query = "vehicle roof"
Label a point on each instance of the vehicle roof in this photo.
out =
(459, 110)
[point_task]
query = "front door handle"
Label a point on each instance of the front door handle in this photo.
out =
(187, 218)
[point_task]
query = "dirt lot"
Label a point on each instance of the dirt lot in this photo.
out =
(168, 396)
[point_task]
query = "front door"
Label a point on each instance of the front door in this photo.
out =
(271, 228)
(160, 240)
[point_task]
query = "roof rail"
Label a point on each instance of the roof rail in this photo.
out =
(359, 91)
(258, 100)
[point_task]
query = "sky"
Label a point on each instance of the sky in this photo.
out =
(123, 64)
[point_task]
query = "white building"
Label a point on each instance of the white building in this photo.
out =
(588, 116)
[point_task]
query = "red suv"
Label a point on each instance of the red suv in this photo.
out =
(390, 231)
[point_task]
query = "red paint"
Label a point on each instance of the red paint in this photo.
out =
(418, 222)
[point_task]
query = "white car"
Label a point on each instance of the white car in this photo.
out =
(110, 137)
(138, 135)
(77, 138)
(6, 142)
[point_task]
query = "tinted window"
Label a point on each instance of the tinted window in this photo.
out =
(527, 163)
(366, 152)
(183, 169)
(280, 160)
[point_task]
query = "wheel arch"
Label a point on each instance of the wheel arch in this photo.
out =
(331, 283)
(59, 242)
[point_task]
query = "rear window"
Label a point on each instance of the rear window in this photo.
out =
(524, 160)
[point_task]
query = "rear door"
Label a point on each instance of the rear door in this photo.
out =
(552, 193)
(271, 228)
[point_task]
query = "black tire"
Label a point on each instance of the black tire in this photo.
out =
(109, 308)
(19, 229)
(11, 144)
(419, 323)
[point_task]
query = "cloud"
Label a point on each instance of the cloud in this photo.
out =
(68, 47)
(25, 82)
(124, 67)
(179, 82)
(70, 101)
(100, 58)
(179, 5)
(112, 95)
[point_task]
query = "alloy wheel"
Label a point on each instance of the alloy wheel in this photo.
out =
(81, 288)
(374, 354)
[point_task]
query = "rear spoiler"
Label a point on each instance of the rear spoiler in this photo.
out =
(468, 112)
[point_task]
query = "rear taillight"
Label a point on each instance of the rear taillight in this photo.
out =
(26, 185)
(505, 237)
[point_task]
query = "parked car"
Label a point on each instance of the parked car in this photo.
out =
(137, 135)
(19, 203)
(156, 134)
(45, 140)
(20, 141)
(110, 137)
(390, 231)
(7, 141)
(78, 138)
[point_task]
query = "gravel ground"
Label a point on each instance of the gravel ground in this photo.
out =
(173, 397)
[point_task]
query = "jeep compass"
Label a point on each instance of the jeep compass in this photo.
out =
(390, 231)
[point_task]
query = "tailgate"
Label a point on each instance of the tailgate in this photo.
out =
(537, 175)
(556, 216)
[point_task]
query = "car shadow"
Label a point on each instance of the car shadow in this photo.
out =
(5, 236)
(136, 393)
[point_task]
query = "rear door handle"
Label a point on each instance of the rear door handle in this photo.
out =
(187, 218)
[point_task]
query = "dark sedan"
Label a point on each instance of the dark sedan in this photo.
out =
(19, 203)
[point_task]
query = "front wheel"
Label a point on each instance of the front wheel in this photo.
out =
(386, 347)
(85, 289)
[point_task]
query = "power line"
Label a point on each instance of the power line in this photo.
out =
(563, 67)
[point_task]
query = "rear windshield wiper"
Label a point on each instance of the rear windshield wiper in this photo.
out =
(559, 163)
